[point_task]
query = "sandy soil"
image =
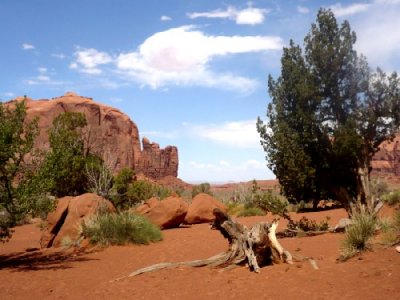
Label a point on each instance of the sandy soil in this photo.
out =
(68, 274)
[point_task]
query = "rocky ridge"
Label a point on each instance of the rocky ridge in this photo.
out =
(110, 133)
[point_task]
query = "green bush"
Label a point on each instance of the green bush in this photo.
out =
(119, 229)
(359, 233)
(201, 188)
(392, 198)
(391, 229)
(305, 224)
(271, 203)
(249, 211)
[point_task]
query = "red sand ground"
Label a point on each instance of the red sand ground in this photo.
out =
(59, 274)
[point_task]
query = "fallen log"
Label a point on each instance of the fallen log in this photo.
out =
(255, 247)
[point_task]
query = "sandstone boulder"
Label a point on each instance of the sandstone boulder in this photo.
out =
(201, 209)
(69, 214)
(168, 213)
(147, 206)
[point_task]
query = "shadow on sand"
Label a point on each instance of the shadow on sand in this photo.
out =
(38, 260)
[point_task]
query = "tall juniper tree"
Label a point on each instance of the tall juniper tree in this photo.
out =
(328, 115)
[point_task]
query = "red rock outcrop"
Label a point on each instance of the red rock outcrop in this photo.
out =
(387, 160)
(201, 209)
(69, 214)
(110, 134)
(168, 213)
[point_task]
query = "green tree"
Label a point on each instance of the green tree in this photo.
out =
(16, 141)
(329, 113)
(63, 170)
(122, 182)
(201, 188)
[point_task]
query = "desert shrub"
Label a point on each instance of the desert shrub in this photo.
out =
(248, 211)
(99, 177)
(392, 198)
(390, 229)
(379, 187)
(67, 242)
(269, 202)
(359, 233)
(118, 229)
(140, 190)
(305, 224)
(233, 208)
(201, 188)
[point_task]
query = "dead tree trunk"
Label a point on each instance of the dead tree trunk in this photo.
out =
(255, 247)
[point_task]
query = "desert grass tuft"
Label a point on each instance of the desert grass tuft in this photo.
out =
(118, 229)
(358, 235)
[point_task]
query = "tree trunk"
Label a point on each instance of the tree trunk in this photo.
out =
(255, 247)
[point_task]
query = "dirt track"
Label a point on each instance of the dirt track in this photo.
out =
(72, 275)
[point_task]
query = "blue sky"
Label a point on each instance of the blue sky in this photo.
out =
(189, 73)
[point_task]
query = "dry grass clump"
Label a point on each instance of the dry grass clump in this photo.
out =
(358, 235)
(118, 229)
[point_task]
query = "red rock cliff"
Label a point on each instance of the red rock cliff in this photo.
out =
(110, 134)
(387, 160)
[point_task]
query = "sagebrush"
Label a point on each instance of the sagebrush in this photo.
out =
(119, 229)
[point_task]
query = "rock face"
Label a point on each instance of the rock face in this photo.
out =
(201, 209)
(168, 213)
(110, 134)
(387, 160)
(69, 214)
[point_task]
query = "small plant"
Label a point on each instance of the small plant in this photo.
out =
(392, 198)
(251, 211)
(306, 225)
(233, 208)
(390, 229)
(201, 188)
(67, 242)
(118, 229)
(359, 233)
(271, 203)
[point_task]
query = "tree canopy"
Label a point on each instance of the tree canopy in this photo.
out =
(16, 141)
(328, 114)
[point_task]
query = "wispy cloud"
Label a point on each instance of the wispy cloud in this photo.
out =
(247, 16)
(377, 37)
(245, 170)
(26, 46)
(355, 8)
(239, 134)
(182, 56)
(303, 9)
(89, 60)
(43, 78)
(165, 18)
(59, 55)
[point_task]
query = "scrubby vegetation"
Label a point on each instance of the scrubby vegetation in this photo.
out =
(359, 233)
(201, 188)
(118, 229)
(392, 198)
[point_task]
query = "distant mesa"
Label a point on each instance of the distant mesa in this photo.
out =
(110, 134)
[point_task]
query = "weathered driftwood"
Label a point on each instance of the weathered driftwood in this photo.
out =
(255, 247)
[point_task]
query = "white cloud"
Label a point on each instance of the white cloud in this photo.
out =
(378, 39)
(27, 46)
(303, 9)
(165, 18)
(247, 16)
(224, 171)
(240, 134)
(341, 11)
(182, 55)
(88, 60)
(59, 55)
(8, 94)
(42, 70)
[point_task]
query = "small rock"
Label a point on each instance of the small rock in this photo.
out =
(398, 249)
